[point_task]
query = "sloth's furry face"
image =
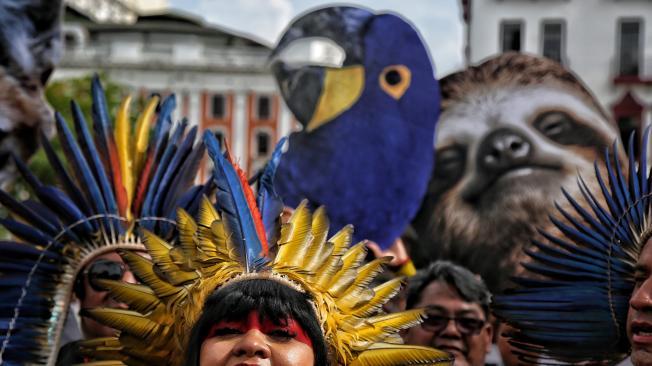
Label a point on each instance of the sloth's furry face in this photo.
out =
(503, 155)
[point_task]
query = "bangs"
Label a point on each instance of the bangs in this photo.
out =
(269, 298)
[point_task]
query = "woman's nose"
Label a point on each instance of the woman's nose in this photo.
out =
(252, 344)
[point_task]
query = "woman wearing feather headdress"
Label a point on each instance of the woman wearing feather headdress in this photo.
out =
(222, 295)
(590, 299)
(254, 321)
(112, 184)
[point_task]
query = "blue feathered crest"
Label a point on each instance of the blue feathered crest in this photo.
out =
(111, 182)
(235, 202)
(574, 305)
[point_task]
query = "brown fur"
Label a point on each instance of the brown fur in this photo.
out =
(510, 69)
(24, 109)
(488, 236)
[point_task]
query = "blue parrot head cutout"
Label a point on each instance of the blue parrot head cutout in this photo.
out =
(332, 59)
(363, 87)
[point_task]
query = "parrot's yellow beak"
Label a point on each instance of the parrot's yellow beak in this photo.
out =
(342, 88)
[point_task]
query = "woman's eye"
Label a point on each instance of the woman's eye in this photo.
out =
(221, 332)
(282, 334)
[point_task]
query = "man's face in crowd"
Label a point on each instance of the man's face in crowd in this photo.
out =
(93, 298)
(639, 318)
(467, 337)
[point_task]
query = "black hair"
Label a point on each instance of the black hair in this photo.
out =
(470, 287)
(272, 300)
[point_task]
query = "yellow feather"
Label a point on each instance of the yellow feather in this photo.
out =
(160, 252)
(359, 292)
(187, 233)
(294, 237)
(142, 135)
(222, 242)
(326, 272)
(342, 240)
(144, 269)
(108, 342)
(104, 351)
(338, 244)
(319, 249)
(382, 354)
(382, 294)
(351, 261)
(127, 321)
(317, 255)
(138, 297)
(376, 328)
(207, 213)
(123, 145)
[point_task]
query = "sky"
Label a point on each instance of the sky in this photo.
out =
(439, 21)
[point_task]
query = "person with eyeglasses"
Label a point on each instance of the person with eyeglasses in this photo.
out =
(91, 294)
(457, 308)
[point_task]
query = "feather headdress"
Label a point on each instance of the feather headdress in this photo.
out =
(575, 306)
(227, 244)
(113, 182)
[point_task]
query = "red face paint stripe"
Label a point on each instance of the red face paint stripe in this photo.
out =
(267, 327)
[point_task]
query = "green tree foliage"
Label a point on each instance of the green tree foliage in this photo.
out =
(59, 94)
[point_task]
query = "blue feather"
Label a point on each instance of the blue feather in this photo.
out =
(585, 214)
(24, 171)
(232, 204)
(80, 166)
(164, 121)
(27, 214)
(162, 164)
(184, 179)
(26, 232)
(171, 170)
(87, 145)
(64, 178)
(269, 202)
(623, 187)
(65, 208)
(101, 121)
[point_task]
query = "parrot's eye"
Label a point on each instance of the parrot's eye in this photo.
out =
(392, 77)
(395, 80)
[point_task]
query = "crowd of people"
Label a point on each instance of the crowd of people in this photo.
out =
(128, 261)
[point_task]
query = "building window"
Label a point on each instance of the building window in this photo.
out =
(219, 135)
(628, 112)
(553, 40)
(262, 144)
(511, 35)
(264, 107)
(629, 52)
(218, 106)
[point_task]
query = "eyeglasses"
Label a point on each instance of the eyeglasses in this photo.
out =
(106, 270)
(465, 325)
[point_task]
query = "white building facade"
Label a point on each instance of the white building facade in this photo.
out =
(220, 78)
(607, 43)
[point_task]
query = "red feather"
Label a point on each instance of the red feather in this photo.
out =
(251, 202)
(143, 181)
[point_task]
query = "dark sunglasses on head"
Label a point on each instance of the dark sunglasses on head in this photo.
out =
(465, 325)
(106, 270)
